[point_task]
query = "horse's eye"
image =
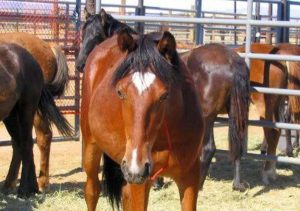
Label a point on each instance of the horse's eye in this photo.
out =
(121, 94)
(163, 97)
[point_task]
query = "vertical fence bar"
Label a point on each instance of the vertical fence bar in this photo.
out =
(77, 74)
(248, 31)
(235, 17)
(248, 47)
(199, 28)
(98, 6)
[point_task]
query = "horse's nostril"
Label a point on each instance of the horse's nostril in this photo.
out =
(123, 162)
(147, 169)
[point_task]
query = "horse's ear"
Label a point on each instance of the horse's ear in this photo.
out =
(126, 41)
(167, 46)
(86, 13)
(103, 16)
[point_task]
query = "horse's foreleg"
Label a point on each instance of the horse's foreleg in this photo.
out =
(188, 185)
(135, 197)
(43, 139)
(92, 156)
(207, 153)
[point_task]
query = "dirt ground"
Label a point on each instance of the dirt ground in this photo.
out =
(67, 181)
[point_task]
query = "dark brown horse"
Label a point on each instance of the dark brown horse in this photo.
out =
(95, 30)
(222, 80)
(141, 110)
(207, 72)
(55, 71)
(20, 99)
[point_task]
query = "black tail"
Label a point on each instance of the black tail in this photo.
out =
(239, 109)
(50, 112)
(113, 181)
(59, 83)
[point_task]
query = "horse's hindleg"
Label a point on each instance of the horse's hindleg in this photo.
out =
(263, 147)
(92, 157)
(43, 139)
(28, 183)
(189, 185)
(207, 153)
(135, 197)
(269, 171)
(19, 125)
(288, 147)
(296, 143)
(11, 178)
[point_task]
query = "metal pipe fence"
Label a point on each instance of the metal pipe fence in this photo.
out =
(249, 23)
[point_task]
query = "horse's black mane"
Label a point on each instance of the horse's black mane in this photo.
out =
(111, 26)
(146, 55)
(114, 26)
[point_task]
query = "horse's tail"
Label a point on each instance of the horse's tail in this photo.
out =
(113, 180)
(239, 109)
(293, 69)
(51, 113)
(59, 83)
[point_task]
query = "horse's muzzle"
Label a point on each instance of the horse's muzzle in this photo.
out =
(137, 177)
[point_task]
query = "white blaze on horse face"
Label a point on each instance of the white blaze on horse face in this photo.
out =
(134, 168)
(142, 81)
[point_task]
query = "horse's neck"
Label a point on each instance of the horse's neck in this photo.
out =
(184, 113)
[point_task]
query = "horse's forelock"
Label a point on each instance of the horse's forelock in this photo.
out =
(146, 56)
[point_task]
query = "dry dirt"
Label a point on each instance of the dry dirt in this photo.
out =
(67, 181)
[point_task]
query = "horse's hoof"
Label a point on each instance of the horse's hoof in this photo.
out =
(159, 183)
(295, 145)
(290, 153)
(242, 187)
(8, 188)
(22, 193)
(267, 175)
(263, 152)
(43, 184)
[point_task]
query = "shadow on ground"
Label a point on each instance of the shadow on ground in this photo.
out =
(222, 170)
(10, 201)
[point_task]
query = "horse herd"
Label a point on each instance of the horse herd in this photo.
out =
(147, 110)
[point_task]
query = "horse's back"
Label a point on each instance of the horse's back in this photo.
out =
(213, 67)
(38, 48)
(17, 71)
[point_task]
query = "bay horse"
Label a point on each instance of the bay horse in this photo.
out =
(140, 110)
(20, 99)
(55, 71)
(222, 94)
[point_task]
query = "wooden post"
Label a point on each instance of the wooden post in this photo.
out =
(55, 24)
(90, 6)
(122, 10)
